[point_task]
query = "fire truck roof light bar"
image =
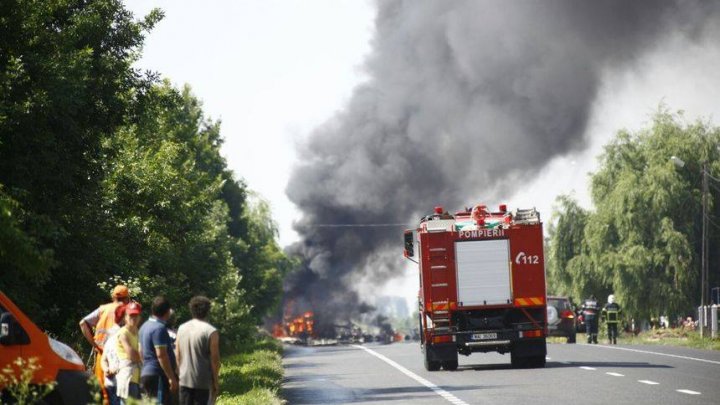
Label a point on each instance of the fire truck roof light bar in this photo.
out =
(526, 216)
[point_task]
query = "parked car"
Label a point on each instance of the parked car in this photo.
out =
(21, 338)
(561, 318)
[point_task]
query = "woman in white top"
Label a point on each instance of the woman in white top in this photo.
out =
(110, 360)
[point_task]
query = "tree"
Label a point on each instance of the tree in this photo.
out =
(66, 83)
(642, 241)
(261, 262)
(566, 252)
(107, 174)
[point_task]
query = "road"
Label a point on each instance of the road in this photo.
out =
(575, 373)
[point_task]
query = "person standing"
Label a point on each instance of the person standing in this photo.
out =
(158, 377)
(611, 313)
(590, 311)
(198, 356)
(128, 351)
(110, 360)
(102, 320)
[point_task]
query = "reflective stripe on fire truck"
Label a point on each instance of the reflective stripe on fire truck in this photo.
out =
(524, 302)
(443, 305)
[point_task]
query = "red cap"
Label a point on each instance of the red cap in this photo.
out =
(133, 308)
(438, 210)
(119, 313)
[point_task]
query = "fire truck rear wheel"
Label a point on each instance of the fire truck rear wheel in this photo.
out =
(450, 365)
(536, 362)
(432, 365)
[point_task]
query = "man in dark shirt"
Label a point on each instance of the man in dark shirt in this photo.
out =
(590, 311)
(159, 372)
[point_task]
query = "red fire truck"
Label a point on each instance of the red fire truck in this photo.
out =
(482, 285)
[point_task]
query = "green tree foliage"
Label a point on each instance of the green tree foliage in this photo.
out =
(261, 262)
(642, 241)
(162, 203)
(23, 263)
(566, 253)
(65, 84)
(108, 174)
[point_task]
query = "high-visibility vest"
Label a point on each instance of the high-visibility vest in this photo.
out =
(106, 321)
(612, 313)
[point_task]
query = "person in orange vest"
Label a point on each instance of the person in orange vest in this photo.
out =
(102, 320)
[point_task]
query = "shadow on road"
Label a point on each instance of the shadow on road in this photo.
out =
(552, 364)
(608, 364)
(311, 395)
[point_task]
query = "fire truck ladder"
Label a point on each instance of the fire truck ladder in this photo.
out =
(440, 314)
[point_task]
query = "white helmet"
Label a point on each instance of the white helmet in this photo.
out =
(611, 299)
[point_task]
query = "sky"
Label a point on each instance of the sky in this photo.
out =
(274, 71)
(270, 70)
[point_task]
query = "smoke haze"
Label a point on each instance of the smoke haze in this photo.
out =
(463, 100)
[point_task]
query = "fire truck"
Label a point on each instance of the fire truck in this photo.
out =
(482, 285)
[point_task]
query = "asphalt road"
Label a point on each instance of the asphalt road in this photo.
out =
(575, 373)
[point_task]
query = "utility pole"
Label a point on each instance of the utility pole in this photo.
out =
(704, 270)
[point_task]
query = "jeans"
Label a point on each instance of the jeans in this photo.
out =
(158, 387)
(112, 394)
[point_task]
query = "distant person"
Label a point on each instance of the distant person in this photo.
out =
(611, 313)
(101, 320)
(159, 371)
(110, 361)
(590, 311)
(128, 349)
(198, 356)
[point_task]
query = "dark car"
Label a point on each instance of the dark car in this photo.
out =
(561, 318)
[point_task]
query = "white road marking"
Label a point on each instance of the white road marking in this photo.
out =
(648, 382)
(448, 396)
(615, 374)
(565, 362)
(659, 354)
(688, 392)
(587, 368)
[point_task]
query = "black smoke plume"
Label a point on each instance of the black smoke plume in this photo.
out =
(464, 99)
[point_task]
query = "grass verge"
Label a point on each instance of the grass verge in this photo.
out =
(253, 376)
(673, 337)
(662, 337)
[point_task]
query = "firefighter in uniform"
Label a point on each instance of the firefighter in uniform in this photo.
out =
(611, 313)
(102, 319)
(590, 311)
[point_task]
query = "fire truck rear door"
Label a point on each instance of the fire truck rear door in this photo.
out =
(483, 272)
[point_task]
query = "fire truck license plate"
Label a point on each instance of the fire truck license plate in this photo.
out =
(484, 336)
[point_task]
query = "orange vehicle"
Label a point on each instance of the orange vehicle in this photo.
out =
(21, 338)
(482, 285)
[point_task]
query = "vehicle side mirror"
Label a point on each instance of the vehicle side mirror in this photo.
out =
(11, 333)
(409, 246)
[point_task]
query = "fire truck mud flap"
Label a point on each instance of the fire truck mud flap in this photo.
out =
(528, 353)
(440, 355)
